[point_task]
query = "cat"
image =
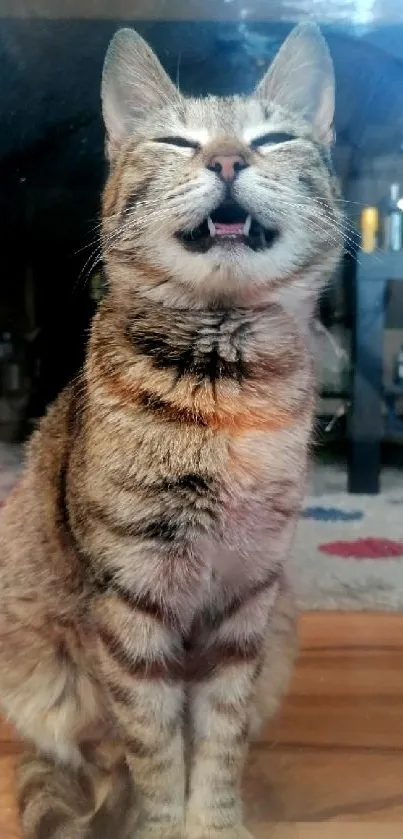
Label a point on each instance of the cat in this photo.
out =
(147, 623)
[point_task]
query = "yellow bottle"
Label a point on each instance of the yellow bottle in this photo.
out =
(369, 229)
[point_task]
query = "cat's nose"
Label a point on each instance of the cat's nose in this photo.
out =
(227, 166)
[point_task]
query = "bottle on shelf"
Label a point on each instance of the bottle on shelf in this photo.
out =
(393, 222)
(10, 366)
(369, 229)
(13, 387)
(398, 371)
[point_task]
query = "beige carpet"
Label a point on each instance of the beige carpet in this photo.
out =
(348, 551)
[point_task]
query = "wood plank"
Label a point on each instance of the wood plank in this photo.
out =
(308, 785)
(352, 630)
(332, 763)
(7, 734)
(347, 690)
(9, 828)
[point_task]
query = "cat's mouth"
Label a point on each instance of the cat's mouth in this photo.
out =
(227, 225)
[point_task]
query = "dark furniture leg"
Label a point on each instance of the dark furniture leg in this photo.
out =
(366, 421)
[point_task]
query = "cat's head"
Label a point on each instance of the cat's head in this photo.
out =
(210, 198)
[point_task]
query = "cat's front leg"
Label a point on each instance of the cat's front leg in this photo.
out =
(220, 720)
(220, 714)
(139, 666)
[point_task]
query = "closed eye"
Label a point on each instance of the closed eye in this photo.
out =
(182, 142)
(274, 138)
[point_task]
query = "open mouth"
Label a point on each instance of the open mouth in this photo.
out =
(228, 224)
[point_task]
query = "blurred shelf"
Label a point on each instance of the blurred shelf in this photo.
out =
(393, 390)
(381, 265)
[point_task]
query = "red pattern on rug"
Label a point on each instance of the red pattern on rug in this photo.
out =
(366, 548)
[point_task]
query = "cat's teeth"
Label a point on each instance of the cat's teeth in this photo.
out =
(211, 227)
(246, 227)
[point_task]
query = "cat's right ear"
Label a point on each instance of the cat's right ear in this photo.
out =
(133, 83)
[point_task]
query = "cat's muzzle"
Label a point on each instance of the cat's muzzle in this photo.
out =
(227, 225)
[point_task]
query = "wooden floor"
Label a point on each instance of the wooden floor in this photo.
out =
(332, 764)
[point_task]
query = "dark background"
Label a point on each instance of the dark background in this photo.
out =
(52, 160)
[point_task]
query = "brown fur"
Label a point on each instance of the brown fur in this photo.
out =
(146, 621)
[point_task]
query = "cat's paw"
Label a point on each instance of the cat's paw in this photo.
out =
(239, 832)
(235, 833)
(154, 830)
(157, 832)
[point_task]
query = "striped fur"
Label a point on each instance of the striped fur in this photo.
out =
(146, 620)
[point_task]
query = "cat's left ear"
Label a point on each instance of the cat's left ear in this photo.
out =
(133, 84)
(301, 80)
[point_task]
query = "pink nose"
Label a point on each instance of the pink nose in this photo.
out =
(227, 166)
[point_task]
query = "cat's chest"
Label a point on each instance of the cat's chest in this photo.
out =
(259, 501)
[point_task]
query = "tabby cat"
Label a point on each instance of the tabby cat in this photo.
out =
(146, 619)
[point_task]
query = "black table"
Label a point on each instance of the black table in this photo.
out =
(367, 420)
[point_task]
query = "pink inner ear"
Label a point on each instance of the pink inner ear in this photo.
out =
(235, 229)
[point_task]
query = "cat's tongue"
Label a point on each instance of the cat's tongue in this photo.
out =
(233, 229)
